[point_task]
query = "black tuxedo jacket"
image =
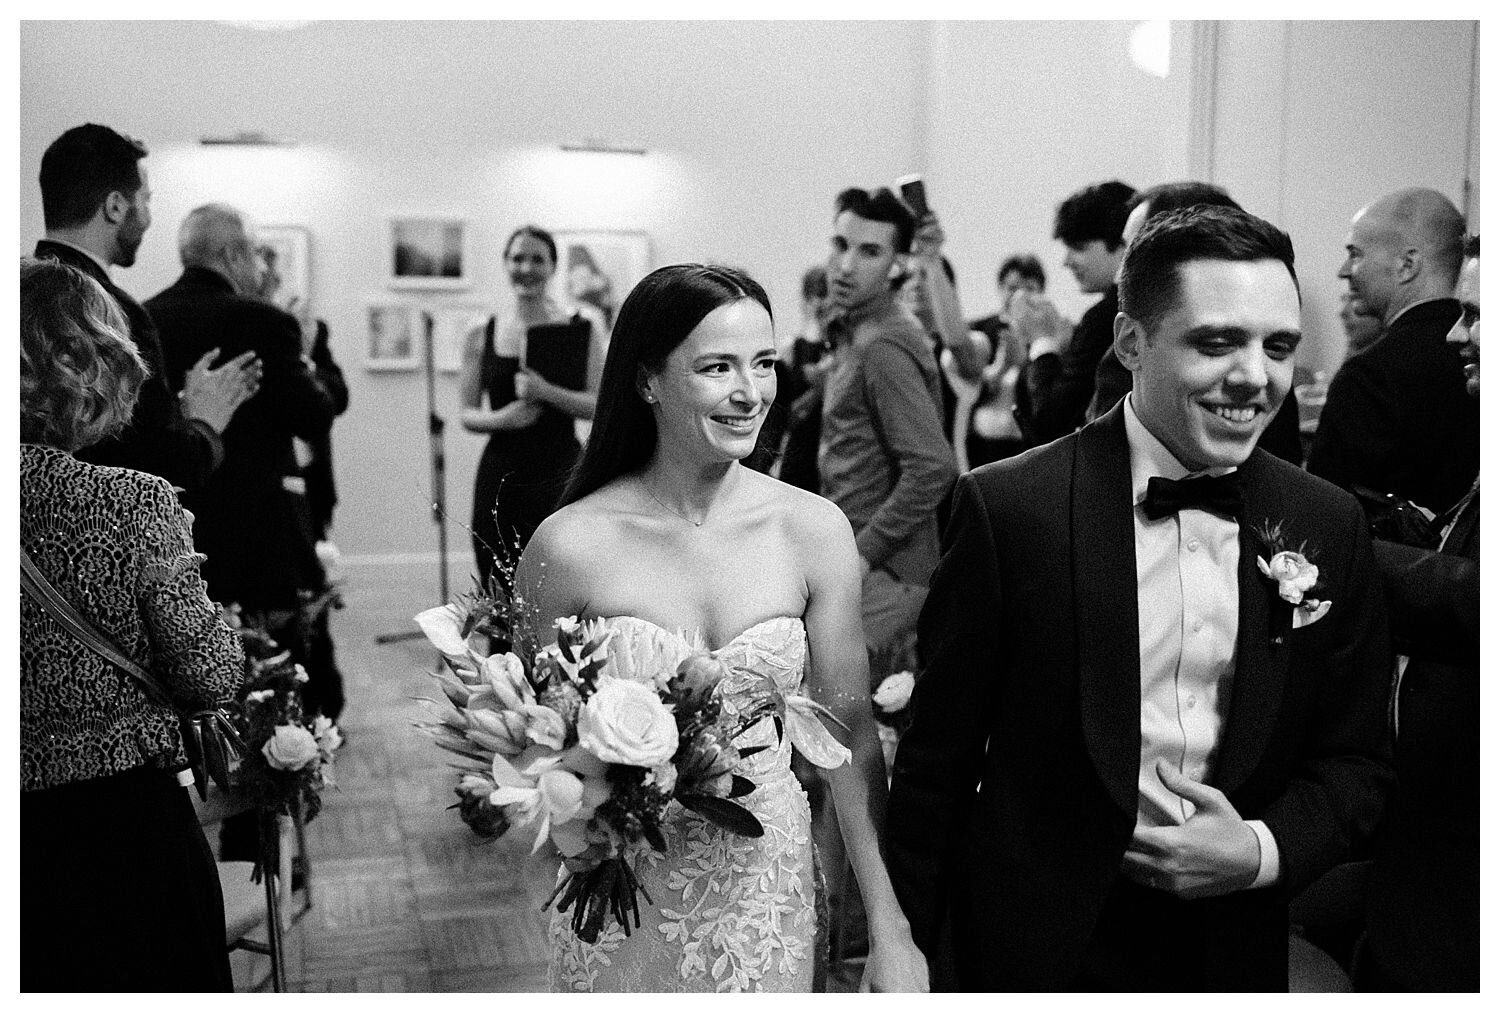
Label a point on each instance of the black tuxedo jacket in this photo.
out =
(1423, 902)
(259, 548)
(1059, 388)
(1014, 792)
(1398, 417)
(159, 440)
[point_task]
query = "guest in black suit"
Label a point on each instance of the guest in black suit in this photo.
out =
(1112, 381)
(259, 552)
(1129, 747)
(1422, 917)
(1061, 377)
(1397, 418)
(96, 205)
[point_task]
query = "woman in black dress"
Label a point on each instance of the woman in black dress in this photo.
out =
(532, 443)
(119, 891)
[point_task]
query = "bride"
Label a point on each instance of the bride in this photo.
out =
(666, 537)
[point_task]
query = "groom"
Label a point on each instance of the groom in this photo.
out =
(1128, 749)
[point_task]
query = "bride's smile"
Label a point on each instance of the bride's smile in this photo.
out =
(714, 389)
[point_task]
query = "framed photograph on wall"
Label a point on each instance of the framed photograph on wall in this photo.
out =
(286, 252)
(429, 252)
(600, 267)
(393, 336)
(451, 326)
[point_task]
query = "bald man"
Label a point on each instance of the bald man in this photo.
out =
(259, 550)
(1398, 419)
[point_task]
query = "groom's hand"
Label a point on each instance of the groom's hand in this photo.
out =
(1213, 853)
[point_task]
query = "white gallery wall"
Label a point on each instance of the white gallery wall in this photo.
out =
(751, 128)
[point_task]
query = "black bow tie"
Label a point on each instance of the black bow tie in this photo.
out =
(1216, 494)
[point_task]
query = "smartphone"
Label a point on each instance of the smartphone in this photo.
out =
(914, 194)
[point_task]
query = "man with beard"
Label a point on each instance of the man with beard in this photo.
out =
(96, 205)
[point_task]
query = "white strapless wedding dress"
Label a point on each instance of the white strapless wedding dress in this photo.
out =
(728, 913)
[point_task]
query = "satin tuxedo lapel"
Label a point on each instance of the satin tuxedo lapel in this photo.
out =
(1107, 624)
(1263, 646)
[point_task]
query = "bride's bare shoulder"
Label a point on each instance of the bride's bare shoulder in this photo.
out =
(580, 527)
(811, 520)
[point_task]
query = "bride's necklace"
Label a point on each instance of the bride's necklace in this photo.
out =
(647, 486)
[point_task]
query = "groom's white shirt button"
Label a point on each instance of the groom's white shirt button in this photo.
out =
(1187, 571)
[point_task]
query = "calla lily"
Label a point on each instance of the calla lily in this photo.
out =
(443, 626)
(810, 738)
(534, 789)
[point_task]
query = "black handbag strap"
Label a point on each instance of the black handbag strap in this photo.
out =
(46, 594)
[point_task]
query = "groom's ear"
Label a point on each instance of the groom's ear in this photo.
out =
(1130, 334)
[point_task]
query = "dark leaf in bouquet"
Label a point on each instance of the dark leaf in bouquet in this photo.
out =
(473, 766)
(653, 836)
(730, 815)
(740, 786)
(752, 750)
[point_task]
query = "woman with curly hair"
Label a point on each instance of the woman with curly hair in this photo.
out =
(119, 891)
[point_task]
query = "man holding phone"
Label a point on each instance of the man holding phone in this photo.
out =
(882, 456)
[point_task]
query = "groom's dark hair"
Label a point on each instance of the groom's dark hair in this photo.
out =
(1149, 276)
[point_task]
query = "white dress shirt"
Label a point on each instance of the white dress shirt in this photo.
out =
(1187, 572)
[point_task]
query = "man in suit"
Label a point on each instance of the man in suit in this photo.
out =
(1129, 746)
(1422, 910)
(96, 205)
(260, 552)
(1112, 380)
(1397, 419)
(1060, 377)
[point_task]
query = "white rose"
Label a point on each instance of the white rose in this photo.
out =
(1293, 574)
(290, 747)
(894, 691)
(626, 722)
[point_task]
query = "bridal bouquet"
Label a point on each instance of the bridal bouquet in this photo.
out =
(561, 747)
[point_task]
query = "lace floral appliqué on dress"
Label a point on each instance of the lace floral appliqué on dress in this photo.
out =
(728, 913)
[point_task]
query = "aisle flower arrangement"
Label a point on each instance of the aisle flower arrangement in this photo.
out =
(557, 746)
(289, 756)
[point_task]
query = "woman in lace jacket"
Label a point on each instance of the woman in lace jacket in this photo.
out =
(119, 890)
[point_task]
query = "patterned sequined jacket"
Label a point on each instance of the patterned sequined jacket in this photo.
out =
(118, 546)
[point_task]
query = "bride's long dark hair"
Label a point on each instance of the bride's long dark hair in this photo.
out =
(655, 318)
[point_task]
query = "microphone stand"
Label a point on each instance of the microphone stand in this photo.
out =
(435, 425)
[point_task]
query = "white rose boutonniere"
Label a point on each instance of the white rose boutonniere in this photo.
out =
(1296, 578)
